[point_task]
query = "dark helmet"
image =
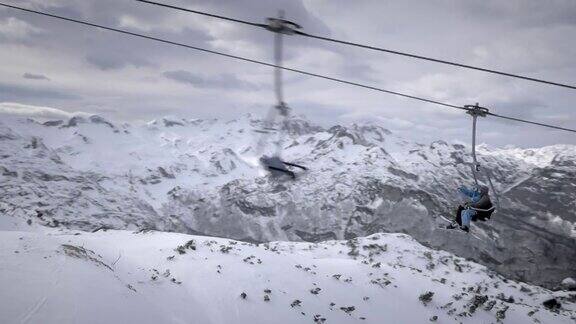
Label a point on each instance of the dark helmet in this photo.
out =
(483, 190)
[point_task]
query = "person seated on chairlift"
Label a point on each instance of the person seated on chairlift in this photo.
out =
(477, 206)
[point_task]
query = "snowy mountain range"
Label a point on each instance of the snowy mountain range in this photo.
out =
(202, 177)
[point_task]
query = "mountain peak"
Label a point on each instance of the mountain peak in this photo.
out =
(96, 119)
(167, 121)
(75, 121)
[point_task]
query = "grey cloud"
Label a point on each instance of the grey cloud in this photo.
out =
(220, 81)
(116, 61)
(14, 30)
(32, 76)
(359, 71)
(105, 50)
(323, 114)
(523, 36)
(63, 8)
(35, 111)
(15, 93)
(526, 109)
(533, 13)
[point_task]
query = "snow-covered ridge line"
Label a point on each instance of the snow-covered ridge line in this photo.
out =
(155, 277)
(203, 176)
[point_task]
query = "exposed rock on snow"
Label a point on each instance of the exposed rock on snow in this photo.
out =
(569, 284)
(135, 277)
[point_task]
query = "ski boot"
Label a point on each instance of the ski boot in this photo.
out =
(452, 225)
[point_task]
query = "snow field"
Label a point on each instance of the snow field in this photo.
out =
(155, 277)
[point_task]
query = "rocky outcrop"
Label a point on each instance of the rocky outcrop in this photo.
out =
(203, 177)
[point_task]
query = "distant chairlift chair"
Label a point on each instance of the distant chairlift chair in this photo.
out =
(279, 26)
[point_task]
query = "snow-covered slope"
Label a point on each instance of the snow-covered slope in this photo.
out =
(202, 177)
(62, 276)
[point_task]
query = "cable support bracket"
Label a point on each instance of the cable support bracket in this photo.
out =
(476, 110)
(282, 26)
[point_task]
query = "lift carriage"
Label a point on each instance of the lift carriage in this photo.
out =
(275, 123)
(485, 211)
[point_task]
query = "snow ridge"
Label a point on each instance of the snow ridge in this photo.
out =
(203, 177)
(155, 277)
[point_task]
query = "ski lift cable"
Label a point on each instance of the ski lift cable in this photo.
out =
(431, 59)
(121, 31)
(374, 48)
(125, 32)
(203, 13)
(531, 122)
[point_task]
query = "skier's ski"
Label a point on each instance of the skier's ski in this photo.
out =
(288, 172)
(457, 229)
(295, 165)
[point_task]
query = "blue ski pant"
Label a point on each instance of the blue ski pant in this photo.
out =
(467, 215)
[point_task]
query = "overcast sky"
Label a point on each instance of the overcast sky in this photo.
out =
(54, 68)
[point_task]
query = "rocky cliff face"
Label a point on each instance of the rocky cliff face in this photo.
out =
(202, 177)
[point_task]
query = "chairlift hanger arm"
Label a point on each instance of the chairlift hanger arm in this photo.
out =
(478, 111)
(475, 111)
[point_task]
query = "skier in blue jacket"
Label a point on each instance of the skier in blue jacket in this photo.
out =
(477, 204)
